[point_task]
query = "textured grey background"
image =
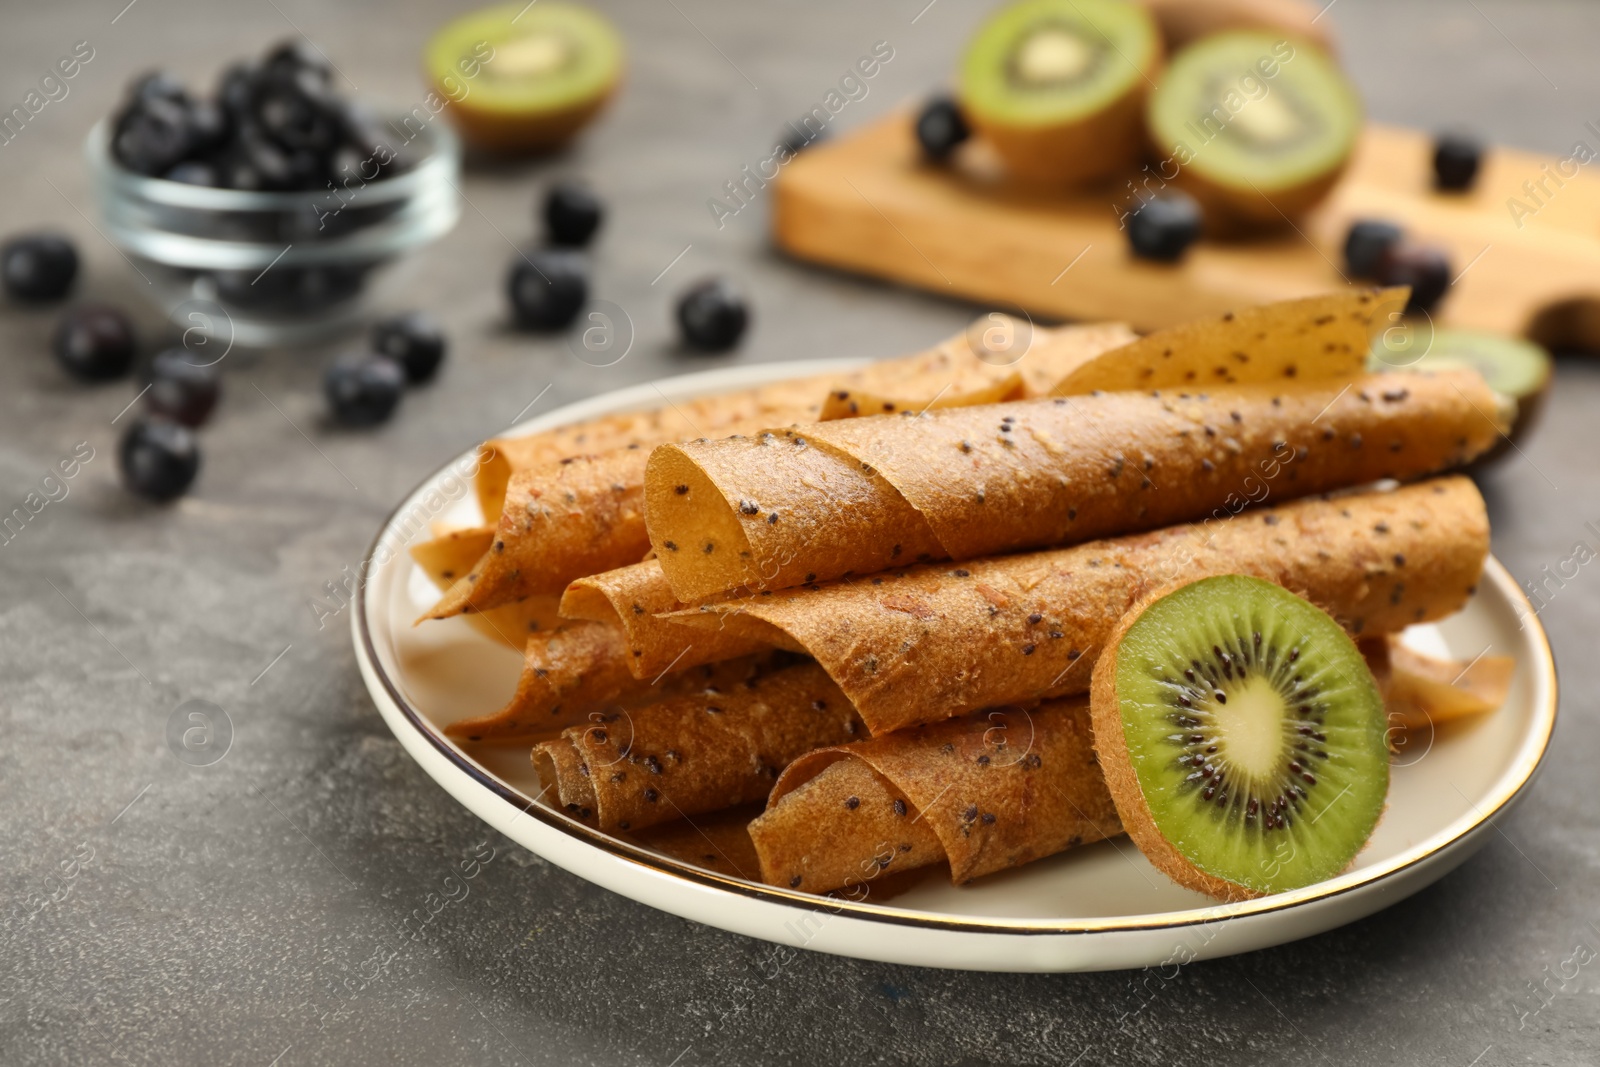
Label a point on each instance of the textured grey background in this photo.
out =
(243, 912)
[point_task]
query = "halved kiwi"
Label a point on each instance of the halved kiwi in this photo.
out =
(1257, 125)
(525, 77)
(1242, 737)
(1058, 86)
(1513, 367)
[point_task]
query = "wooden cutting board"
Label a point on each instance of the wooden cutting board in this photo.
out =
(867, 202)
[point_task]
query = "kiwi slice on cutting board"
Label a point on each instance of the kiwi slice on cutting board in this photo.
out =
(1242, 737)
(1258, 126)
(1518, 369)
(525, 77)
(1058, 86)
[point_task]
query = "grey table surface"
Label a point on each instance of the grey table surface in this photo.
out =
(234, 913)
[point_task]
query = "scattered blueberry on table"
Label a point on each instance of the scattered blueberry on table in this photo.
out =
(572, 214)
(38, 266)
(414, 340)
(182, 389)
(158, 458)
(363, 388)
(712, 315)
(95, 342)
(547, 289)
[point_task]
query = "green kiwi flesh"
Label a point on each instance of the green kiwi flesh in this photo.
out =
(1258, 125)
(550, 66)
(1057, 85)
(1255, 731)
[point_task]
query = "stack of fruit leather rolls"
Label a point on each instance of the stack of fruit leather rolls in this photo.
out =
(570, 503)
(806, 504)
(933, 641)
(831, 500)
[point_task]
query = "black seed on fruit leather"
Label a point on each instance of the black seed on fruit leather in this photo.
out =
(971, 813)
(983, 761)
(988, 818)
(794, 883)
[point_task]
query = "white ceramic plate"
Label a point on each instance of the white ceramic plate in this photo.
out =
(1094, 908)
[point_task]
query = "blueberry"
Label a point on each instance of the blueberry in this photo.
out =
(209, 126)
(38, 266)
(296, 108)
(1455, 162)
(1425, 268)
(571, 214)
(363, 389)
(194, 172)
(182, 389)
(269, 163)
(547, 289)
(798, 137)
(95, 342)
(1164, 228)
(413, 340)
(295, 55)
(940, 128)
(152, 136)
(157, 85)
(236, 91)
(1366, 244)
(712, 315)
(159, 459)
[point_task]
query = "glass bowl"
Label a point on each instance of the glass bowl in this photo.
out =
(276, 268)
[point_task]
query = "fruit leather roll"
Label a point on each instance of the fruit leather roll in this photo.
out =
(454, 553)
(934, 641)
(584, 514)
(981, 792)
(955, 364)
(634, 599)
(580, 669)
(710, 749)
(783, 508)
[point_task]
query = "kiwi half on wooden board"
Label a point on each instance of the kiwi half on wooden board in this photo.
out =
(1257, 125)
(525, 77)
(1242, 737)
(1058, 86)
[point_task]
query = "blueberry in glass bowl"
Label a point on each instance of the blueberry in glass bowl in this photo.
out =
(276, 204)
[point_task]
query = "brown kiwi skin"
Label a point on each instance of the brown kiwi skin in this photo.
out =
(1111, 747)
(1081, 152)
(513, 133)
(1231, 212)
(1185, 21)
